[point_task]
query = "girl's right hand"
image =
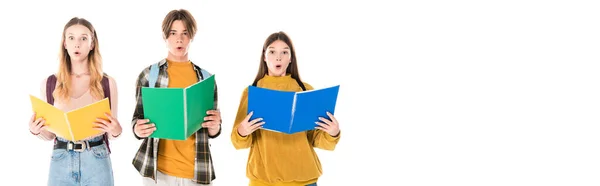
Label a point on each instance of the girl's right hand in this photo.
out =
(247, 127)
(143, 129)
(36, 125)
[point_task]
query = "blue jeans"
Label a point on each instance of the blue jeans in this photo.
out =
(90, 167)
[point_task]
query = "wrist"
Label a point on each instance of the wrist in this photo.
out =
(240, 134)
(115, 136)
(336, 135)
(35, 133)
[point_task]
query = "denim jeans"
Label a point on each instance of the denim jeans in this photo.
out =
(90, 167)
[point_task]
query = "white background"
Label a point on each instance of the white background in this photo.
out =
(432, 92)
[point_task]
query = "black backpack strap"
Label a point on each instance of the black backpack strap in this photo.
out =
(106, 89)
(50, 86)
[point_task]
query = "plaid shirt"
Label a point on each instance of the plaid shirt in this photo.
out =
(145, 158)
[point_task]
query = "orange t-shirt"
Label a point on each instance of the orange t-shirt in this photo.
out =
(176, 157)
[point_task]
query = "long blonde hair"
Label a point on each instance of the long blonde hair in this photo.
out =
(63, 77)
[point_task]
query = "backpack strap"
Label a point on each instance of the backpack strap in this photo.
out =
(106, 89)
(297, 81)
(204, 73)
(153, 75)
(50, 86)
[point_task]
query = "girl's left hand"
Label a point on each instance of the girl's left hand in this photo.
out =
(111, 126)
(332, 127)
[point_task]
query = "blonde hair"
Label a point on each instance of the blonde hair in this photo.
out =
(63, 77)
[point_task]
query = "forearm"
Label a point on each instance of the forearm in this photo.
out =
(324, 140)
(239, 141)
(46, 135)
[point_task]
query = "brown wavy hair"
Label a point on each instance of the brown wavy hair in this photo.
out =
(292, 68)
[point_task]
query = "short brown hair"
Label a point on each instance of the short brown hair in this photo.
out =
(183, 15)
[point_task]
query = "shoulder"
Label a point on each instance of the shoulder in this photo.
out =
(111, 80)
(143, 75)
(44, 81)
(202, 70)
(245, 92)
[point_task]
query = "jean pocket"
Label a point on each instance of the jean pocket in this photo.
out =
(100, 151)
(59, 154)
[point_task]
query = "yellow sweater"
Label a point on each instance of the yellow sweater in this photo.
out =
(278, 159)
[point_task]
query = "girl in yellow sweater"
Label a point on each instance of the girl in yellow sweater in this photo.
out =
(279, 159)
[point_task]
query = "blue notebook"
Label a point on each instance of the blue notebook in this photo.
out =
(291, 112)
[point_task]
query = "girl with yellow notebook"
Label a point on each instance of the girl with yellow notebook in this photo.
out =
(79, 81)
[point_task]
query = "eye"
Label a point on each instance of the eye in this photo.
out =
(84, 38)
(172, 33)
(71, 38)
(285, 52)
(185, 33)
(271, 52)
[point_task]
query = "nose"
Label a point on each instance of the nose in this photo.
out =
(179, 38)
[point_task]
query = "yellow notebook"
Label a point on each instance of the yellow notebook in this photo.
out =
(73, 125)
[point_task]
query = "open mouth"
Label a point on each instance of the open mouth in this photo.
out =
(179, 48)
(77, 53)
(278, 66)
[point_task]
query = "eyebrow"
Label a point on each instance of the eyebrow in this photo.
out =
(283, 48)
(74, 34)
(176, 30)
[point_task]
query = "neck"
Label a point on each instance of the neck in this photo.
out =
(174, 58)
(79, 67)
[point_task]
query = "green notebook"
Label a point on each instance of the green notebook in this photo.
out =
(178, 112)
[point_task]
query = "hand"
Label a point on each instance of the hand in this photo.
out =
(36, 125)
(110, 126)
(331, 127)
(143, 129)
(247, 127)
(212, 122)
